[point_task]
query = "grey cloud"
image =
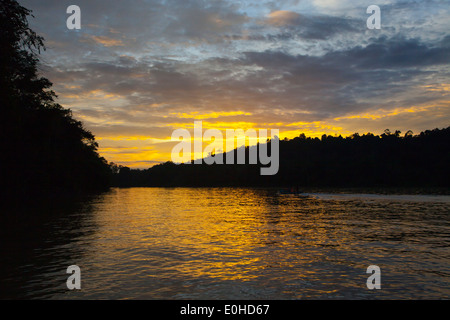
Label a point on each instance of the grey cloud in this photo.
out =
(137, 22)
(397, 53)
(317, 88)
(317, 27)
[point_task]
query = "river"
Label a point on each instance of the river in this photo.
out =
(230, 243)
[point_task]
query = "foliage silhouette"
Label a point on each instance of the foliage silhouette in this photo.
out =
(43, 147)
(359, 161)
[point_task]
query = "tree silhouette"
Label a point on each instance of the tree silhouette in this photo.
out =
(43, 147)
(360, 161)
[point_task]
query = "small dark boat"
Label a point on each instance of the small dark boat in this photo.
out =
(294, 191)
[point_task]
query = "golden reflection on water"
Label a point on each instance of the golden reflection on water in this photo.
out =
(227, 243)
(281, 246)
(217, 233)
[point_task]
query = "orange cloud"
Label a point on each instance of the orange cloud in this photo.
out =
(283, 17)
(106, 41)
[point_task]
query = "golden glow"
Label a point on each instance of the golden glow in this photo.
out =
(144, 150)
(98, 95)
(243, 238)
(134, 138)
(381, 113)
(440, 87)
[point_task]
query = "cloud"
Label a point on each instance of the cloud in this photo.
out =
(105, 41)
(312, 27)
(142, 69)
(398, 52)
(260, 87)
(283, 18)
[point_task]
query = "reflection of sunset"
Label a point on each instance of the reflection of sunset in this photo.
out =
(250, 243)
(241, 238)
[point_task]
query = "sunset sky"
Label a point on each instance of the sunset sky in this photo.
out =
(138, 70)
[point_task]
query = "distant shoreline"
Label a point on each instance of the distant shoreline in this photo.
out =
(331, 190)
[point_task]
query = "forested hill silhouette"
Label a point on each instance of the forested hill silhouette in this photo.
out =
(43, 147)
(387, 160)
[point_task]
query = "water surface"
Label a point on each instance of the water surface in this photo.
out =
(225, 243)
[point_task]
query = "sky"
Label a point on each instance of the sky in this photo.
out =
(139, 69)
